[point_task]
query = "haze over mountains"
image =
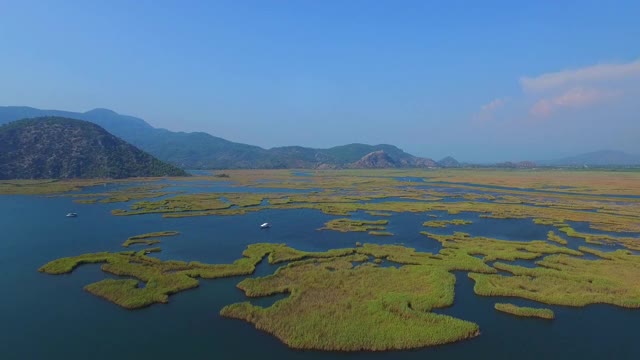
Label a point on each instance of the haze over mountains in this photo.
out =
(199, 150)
(597, 158)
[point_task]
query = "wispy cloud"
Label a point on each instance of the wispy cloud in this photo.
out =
(557, 93)
(575, 98)
(487, 111)
(589, 74)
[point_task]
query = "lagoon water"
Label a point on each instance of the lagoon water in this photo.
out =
(51, 317)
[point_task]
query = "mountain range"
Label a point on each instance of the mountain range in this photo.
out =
(62, 148)
(199, 150)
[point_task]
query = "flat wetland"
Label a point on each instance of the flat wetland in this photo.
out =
(199, 278)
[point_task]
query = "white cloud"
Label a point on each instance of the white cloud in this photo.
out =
(487, 111)
(589, 74)
(578, 97)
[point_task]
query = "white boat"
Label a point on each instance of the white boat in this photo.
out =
(72, 215)
(265, 226)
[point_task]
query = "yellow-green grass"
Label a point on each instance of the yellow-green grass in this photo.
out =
(123, 195)
(199, 204)
(599, 220)
(163, 278)
(44, 187)
(345, 192)
(57, 186)
(379, 213)
(525, 311)
(494, 249)
(336, 306)
(333, 306)
(130, 242)
(148, 238)
(380, 233)
(593, 182)
(180, 203)
(446, 259)
(568, 280)
(543, 221)
(154, 235)
(346, 225)
(445, 223)
(281, 253)
(599, 239)
(552, 236)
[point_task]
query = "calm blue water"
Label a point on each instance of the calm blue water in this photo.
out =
(51, 317)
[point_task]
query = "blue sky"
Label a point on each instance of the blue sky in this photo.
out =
(479, 80)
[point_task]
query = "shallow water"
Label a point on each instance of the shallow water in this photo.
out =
(51, 317)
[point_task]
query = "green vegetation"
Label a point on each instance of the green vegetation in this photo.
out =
(347, 191)
(551, 236)
(130, 242)
(346, 225)
(379, 213)
(525, 311)
(599, 239)
(154, 235)
(444, 223)
(44, 187)
(149, 238)
(344, 299)
(380, 233)
(163, 278)
(571, 281)
(354, 308)
(493, 249)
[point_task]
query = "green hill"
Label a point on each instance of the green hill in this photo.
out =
(200, 150)
(59, 148)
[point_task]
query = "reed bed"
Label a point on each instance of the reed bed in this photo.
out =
(525, 311)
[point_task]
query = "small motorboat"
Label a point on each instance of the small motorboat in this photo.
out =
(72, 215)
(265, 226)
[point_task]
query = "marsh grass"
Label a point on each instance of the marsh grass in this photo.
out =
(601, 239)
(494, 249)
(552, 236)
(148, 239)
(347, 225)
(380, 233)
(154, 235)
(163, 278)
(525, 311)
(354, 308)
(130, 242)
(445, 223)
(568, 280)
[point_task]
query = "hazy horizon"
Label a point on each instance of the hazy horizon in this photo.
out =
(486, 82)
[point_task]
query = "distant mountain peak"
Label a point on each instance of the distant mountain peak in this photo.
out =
(375, 160)
(101, 111)
(449, 162)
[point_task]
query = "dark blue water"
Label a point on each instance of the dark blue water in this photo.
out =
(51, 317)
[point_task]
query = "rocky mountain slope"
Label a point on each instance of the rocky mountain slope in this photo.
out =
(60, 148)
